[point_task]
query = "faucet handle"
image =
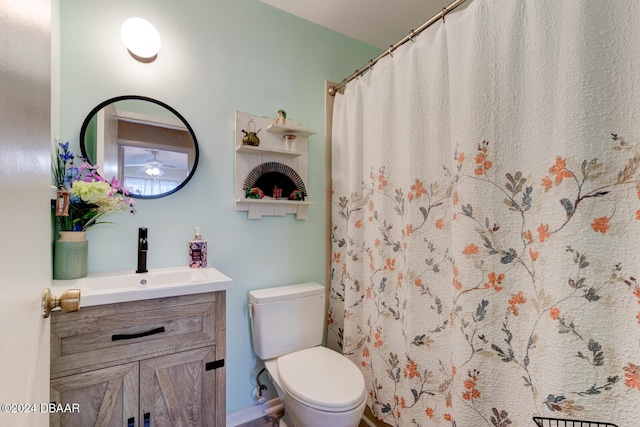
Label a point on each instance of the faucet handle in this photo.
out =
(143, 246)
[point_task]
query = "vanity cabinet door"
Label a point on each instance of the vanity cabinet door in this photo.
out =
(180, 390)
(105, 397)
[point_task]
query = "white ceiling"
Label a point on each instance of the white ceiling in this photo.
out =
(379, 23)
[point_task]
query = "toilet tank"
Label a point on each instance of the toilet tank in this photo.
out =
(286, 319)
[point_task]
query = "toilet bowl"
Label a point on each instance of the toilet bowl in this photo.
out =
(318, 387)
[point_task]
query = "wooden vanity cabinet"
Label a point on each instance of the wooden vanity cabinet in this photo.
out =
(146, 363)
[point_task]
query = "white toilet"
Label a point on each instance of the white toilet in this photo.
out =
(317, 386)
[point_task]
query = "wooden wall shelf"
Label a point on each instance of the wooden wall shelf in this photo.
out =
(272, 148)
(290, 130)
(257, 150)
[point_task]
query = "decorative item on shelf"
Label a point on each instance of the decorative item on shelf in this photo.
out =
(82, 197)
(282, 117)
(277, 193)
(297, 195)
(251, 137)
(254, 193)
(290, 142)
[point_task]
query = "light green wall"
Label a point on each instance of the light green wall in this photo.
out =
(216, 57)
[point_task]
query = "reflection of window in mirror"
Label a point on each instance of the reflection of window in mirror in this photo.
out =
(150, 132)
(151, 171)
(154, 157)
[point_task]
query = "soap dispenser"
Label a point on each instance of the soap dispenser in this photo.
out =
(198, 251)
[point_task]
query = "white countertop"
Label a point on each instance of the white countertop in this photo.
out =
(111, 287)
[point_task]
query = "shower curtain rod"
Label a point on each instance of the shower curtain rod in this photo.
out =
(440, 15)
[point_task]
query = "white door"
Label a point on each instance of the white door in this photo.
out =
(25, 213)
(107, 142)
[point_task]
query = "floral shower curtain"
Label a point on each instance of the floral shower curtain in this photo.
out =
(486, 218)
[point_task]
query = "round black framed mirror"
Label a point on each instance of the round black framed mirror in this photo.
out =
(146, 144)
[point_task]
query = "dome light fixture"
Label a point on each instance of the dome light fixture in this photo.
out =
(153, 171)
(141, 39)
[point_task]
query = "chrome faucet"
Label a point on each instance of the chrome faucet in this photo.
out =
(142, 250)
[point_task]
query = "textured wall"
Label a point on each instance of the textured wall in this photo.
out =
(216, 57)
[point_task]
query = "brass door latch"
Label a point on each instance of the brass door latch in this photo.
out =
(68, 301)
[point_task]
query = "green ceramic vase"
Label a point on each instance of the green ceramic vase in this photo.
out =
(70, 255)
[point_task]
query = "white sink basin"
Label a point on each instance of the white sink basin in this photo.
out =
(120, 286)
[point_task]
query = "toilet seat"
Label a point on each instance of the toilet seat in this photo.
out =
(322, 379)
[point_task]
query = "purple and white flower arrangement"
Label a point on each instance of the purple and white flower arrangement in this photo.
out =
(83, 196)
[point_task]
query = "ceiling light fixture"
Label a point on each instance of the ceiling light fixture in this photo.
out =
(153, 171)
(141, 39)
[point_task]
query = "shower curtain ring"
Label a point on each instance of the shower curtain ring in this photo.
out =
(370, 67)
(412, 35)
(444, 13)
(391, 51)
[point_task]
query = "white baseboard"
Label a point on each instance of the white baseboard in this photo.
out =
(254, 412)
(262, 410)
(367, 421)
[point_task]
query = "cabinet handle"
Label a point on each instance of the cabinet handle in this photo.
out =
(147, 419)
(131, 422)
(138, 335)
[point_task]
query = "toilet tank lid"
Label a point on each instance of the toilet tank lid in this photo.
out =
(281, 293)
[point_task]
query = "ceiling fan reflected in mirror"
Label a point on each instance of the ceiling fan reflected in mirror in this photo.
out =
(137, 163)
(154, 167)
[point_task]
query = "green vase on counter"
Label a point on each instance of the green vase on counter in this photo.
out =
(70, 255)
